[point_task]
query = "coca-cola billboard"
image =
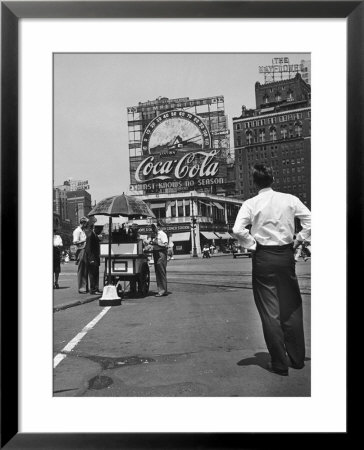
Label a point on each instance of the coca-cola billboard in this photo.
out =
(177, 155)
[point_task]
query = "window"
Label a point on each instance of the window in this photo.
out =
(262, 135)
(249, 137)
(187, 208)
(273, 133)
(284, 132)
(298, 129)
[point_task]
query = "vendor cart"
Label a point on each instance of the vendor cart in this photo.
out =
(129, 266)
(126, 265)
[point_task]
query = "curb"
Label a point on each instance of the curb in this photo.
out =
(76, 303)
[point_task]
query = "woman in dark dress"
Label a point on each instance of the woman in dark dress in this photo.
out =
(57, 244)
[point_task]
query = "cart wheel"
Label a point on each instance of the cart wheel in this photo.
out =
(144, 279)
(119, 290)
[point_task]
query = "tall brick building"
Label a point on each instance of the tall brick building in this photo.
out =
(277, 133)
(78, 205)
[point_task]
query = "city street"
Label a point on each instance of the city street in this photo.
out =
(204, 339)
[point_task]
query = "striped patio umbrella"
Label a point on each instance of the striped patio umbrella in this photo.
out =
(122, 205)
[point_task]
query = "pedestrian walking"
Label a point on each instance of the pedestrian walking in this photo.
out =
(92, 256)
(160, 244)
(276, 292)
(79, 239)
(57, 244)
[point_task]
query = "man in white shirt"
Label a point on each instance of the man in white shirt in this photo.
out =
(79, 239)
(160, 246)
(275, 287)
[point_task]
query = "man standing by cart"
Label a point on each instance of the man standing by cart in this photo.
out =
(79, 239)
(160, 247)
(275, 287)
(92, 255)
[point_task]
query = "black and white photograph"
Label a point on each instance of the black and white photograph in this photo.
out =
(182, 224)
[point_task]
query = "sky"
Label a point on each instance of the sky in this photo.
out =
(92, 93)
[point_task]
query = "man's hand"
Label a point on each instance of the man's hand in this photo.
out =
(296, 244)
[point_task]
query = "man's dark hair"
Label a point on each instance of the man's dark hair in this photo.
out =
(262, 175)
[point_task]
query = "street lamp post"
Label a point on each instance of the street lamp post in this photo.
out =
(193, 226)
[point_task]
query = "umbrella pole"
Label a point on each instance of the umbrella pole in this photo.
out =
(109, 275)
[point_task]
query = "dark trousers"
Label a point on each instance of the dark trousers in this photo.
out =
(160, 266)
(279, 302)
(93, 273)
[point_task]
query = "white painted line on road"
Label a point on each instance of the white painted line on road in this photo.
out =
(72, 344)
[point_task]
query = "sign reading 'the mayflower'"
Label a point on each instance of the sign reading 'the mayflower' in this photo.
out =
(175, 130)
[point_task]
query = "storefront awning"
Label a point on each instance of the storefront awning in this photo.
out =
(157, 205)
(223, 235)
(208, 234)
(179, 237)
(218, 205)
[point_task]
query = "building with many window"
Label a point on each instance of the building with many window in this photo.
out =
(78, 205)
(193, 219)
(61, 221)
(277, 133)
(306, 71)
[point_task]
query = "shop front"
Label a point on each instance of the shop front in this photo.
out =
(182, 243)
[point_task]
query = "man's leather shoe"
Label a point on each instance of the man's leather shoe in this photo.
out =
(82, 292)
(160, 295)
(282, 372)
(97, 292)
(297, 366)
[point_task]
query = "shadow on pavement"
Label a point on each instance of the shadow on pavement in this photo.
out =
(260, 359)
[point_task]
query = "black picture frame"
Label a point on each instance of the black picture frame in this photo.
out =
(11, 13)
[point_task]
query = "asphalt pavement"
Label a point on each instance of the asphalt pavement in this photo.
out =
(203, 340)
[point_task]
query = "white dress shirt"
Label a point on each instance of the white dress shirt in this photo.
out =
(79, 237)
(271, 215)
(161, 240)
(57, 241)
